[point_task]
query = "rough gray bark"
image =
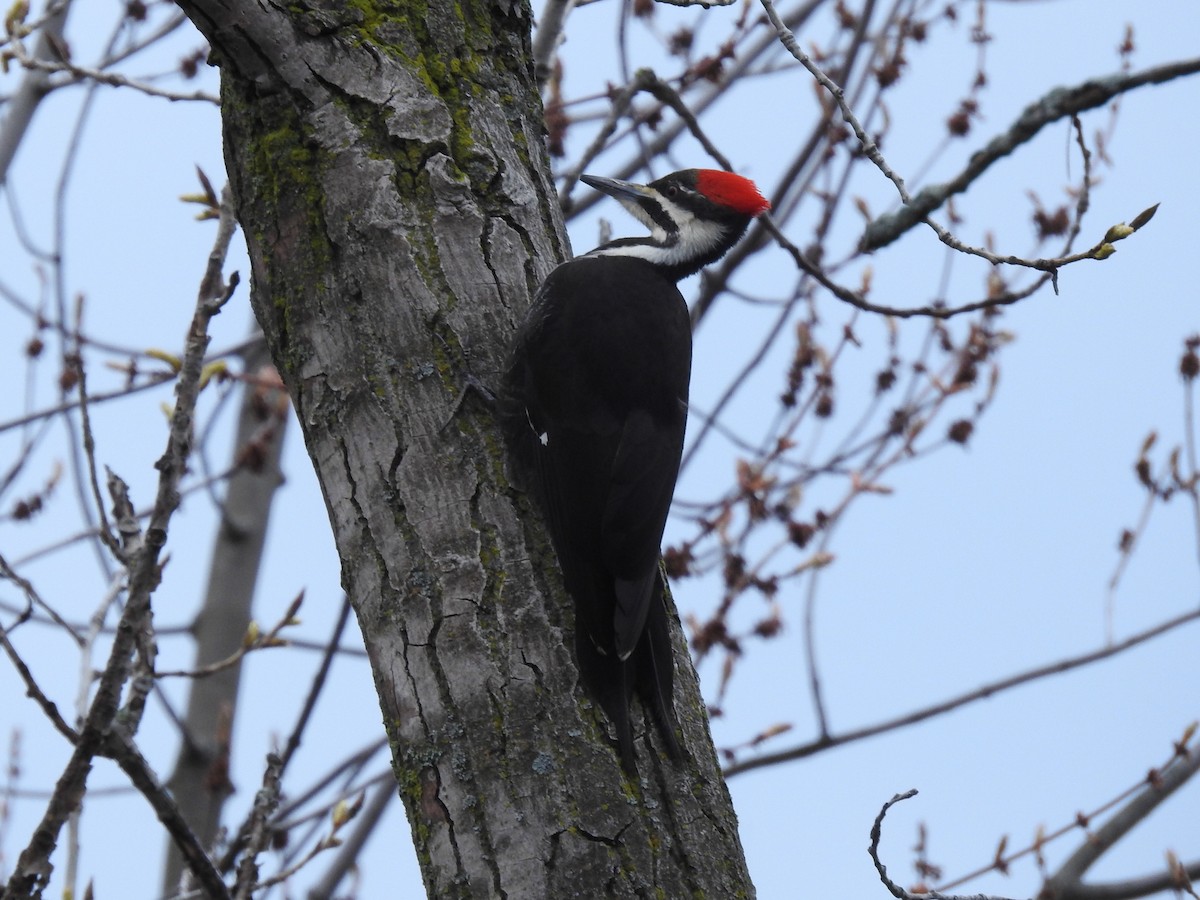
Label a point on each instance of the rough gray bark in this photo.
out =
(200, 782)
(391, 180)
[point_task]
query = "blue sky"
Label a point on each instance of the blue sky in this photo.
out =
(982, 562)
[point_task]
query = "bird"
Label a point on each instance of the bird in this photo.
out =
(594, 409)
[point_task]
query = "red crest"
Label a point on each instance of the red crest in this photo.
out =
(738, 193)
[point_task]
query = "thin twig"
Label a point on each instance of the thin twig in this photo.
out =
(988, 690)
(265, 802)
(33, 599)
(318, 683)
(1060, 103)
(348, 853)
(249, 644)
(867, 144)
(21, 106)
(33, 867)
(154, 380)
(894, 889)
(120, 749)
(112, 79)
(104, 531)
(34, 691)
(549, 35)
(876, 833)
(1067, 882)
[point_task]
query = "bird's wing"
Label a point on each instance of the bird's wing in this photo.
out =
(641, 481)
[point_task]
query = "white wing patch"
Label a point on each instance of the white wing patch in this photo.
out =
(544, 437)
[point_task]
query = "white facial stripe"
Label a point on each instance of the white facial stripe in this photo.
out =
(640, 214)
(691, 239)
(694, 240)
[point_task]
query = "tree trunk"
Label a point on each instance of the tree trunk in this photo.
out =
(392, 183)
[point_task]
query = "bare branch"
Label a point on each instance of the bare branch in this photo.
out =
(1060, 103)
(24, 103)
(982, 693)
(550, 26)
(289, 817)
(621, 100)
(894, 889)
(155, 379)
(113, 79)
(251, 641)
(33, 599)
(703, 4)
(876, 833)
(121, 749)
(857, 300)
(34, 692)
(347, 855)
(1067, 883)
(104, 531)
(318, 684)
(265, 802)
(33, 867)
(868, 146)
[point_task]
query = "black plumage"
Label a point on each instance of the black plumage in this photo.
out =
(594, 409)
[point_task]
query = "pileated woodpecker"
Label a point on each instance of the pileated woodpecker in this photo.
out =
(594, 410)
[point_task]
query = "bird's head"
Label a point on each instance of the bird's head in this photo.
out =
(694, 216)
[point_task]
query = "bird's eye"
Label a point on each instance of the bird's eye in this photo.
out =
(672, 190)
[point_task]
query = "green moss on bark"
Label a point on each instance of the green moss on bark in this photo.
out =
(278, 167)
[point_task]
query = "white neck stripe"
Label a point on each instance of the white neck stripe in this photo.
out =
(694, 240)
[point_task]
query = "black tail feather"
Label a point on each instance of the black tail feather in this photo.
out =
(656, 672)
(607, 681)
(649, 672)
